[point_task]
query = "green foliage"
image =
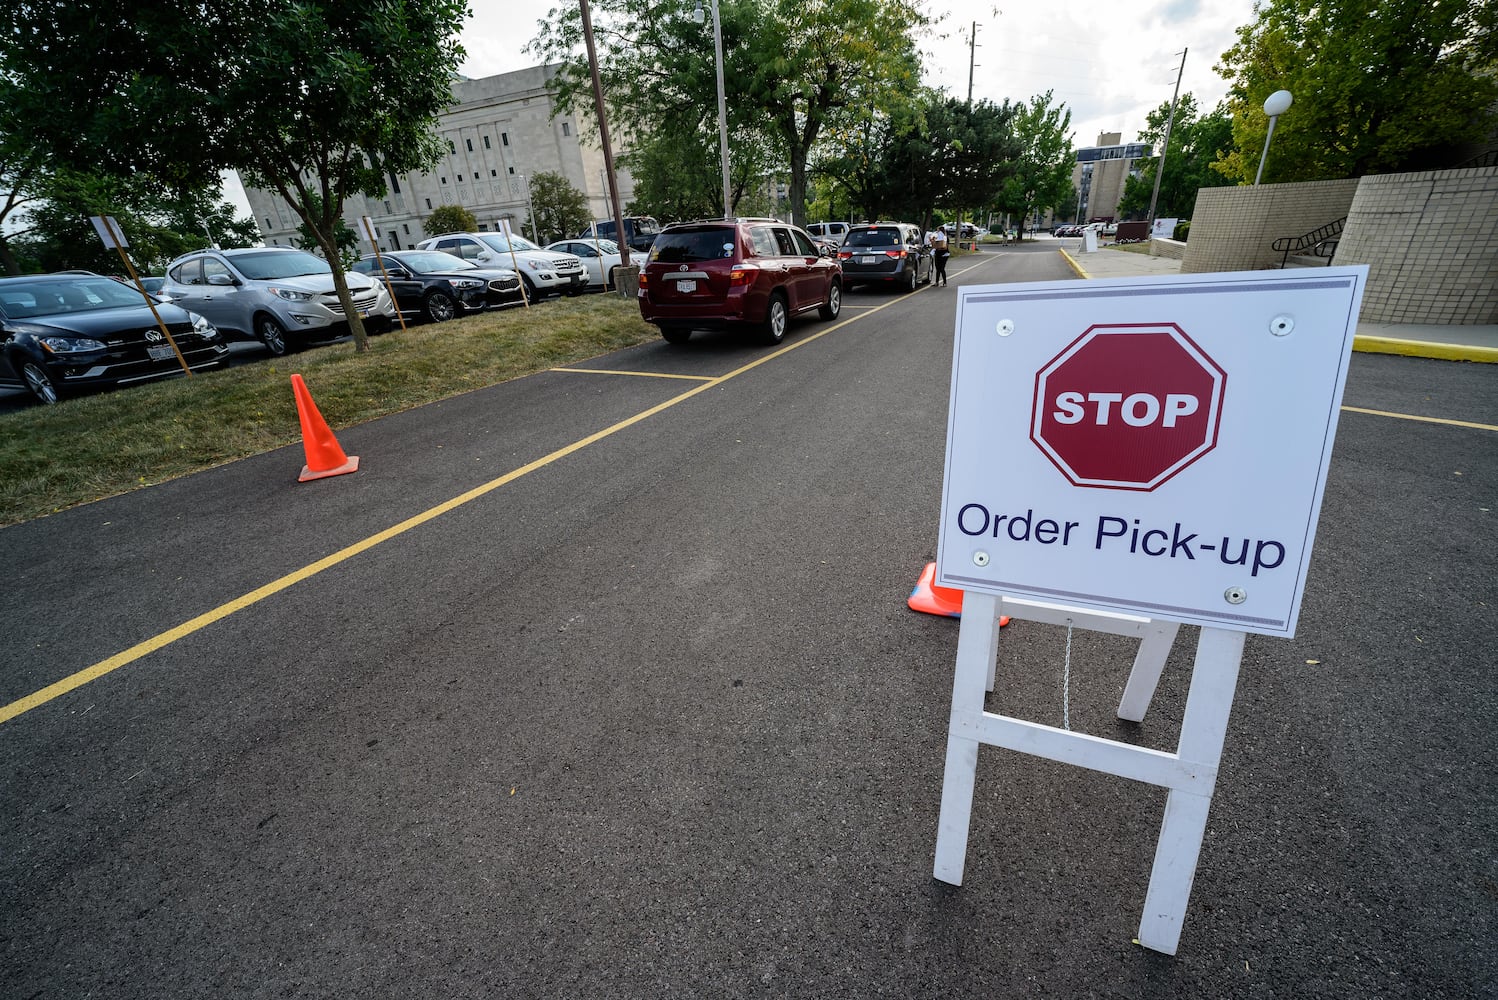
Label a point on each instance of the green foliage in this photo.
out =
(302, 97)
(1042, 171)
(449, 219)
(1378, 86)
(561, 209)
(792, 71)
(1196, 143)
(345, 240)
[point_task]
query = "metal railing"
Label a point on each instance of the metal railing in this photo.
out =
(1313, 241)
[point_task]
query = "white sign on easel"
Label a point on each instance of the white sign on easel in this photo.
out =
(1128, 452)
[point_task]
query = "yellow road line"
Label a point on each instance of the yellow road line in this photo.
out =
(187, 628)
(609, 371)
(1426, 420)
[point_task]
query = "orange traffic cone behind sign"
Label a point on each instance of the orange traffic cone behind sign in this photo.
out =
(937, 600)
(324, 457)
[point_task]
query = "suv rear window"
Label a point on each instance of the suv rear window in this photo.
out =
(693, 245)
(874, 238)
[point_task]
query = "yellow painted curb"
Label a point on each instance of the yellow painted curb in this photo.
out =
(1074, 265)
(1425, 349)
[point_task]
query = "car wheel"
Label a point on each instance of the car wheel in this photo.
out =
(439, 307)
(834, 303)
(772, 330)
(910, 282)
(930, 273)
(676, 334)
(270, 332)
(530, 288)
(40, 383)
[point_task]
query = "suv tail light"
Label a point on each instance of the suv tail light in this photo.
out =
(845, 255)
(741, 276)
(644, 278)
(894, 253)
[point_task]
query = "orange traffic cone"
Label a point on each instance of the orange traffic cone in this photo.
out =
(936, 600)
(324, 457)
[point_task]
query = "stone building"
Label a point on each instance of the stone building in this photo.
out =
(1100, 172)
(500, 131)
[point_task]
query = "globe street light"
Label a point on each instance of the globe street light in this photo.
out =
(722, 103)
(1275, 105)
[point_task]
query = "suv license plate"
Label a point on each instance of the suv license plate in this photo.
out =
(686, 286)
(161, 353)
(866, 260)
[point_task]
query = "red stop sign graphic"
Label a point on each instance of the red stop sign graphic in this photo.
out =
(1127, 406)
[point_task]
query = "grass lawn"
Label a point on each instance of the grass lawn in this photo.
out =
(98, 445)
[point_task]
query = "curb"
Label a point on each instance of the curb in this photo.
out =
(1384, 345)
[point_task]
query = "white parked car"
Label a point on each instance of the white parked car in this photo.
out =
(599, 258)
(544, 272)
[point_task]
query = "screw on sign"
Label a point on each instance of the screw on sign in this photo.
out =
(1127, 406)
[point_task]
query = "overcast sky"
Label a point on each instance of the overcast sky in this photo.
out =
(1110, 63)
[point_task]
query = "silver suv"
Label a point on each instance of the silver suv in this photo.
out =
(276, 295)
(545, 272)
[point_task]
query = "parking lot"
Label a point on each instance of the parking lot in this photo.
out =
(601, 682)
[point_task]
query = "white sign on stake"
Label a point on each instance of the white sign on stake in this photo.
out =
(109, 231)
(1121, 455)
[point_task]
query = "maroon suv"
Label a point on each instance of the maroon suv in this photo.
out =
(736, 272)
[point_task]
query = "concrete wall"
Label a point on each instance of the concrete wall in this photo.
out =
(1430, 241)
(1232, 227)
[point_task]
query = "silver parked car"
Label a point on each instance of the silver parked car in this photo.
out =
(544, 272)
(276, 295)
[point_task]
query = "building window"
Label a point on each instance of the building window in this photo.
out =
(395, 185)
(459, 178)
(444, 180)
(486, 142)
(475, 175)
(504, 138)
(566, 128)
(389, 210)
(494, 173)
(429, 203)
(405, 228)
(469, 144)
(451, 148)
(269, 224)
(512, 170)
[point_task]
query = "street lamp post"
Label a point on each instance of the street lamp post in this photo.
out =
(1275, 105)
(722, 102)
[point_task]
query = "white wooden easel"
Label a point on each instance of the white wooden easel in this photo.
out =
(1190, 773)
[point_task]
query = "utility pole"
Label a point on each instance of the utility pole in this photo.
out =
(603, 135)
(1165, 147)
(972, 55)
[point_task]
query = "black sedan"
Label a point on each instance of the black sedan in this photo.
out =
(62, 332)
(438, 285)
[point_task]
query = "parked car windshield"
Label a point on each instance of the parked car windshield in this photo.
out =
(873, 238)
(81, 294)
(691, 245)
(279, 264)
(497, 241)
(433, 260)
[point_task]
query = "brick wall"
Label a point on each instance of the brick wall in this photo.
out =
(1430, 241)
(1173, 249)
(1232, 227)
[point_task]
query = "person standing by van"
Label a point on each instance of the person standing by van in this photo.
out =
(938, 240)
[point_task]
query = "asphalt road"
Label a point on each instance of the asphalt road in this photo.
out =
(597, 684)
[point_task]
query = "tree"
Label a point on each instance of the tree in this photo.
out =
(792, 69)
(1042, 171)
(561, 210)
(302, 97)
(449, 219)
(1195, 145)
(1379, 85)
(345, 240)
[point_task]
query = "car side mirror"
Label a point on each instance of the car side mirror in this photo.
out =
(222, 280)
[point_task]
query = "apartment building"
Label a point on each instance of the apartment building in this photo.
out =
(1100, 173)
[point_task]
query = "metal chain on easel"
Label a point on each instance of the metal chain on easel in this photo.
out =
(1066, 681)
